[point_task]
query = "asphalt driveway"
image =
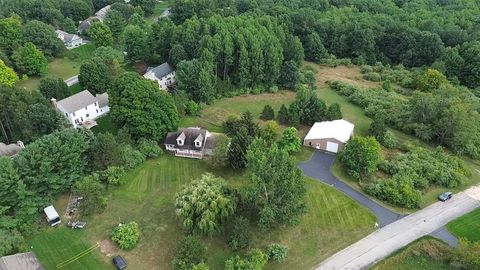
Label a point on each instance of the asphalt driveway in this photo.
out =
(318, 167)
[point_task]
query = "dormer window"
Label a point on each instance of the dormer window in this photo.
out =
(181, 139)
(199, 141)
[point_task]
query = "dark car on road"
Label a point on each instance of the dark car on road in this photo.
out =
(445, 196)
(119, 262)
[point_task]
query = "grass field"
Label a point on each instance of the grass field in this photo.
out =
(332, 222)
(63, 68)
(160, 7)
(426, 253)
(467, 226)
(57, 245)
(105, 124)
(214, 115)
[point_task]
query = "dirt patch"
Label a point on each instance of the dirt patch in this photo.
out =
(350, 75)
(107, 247)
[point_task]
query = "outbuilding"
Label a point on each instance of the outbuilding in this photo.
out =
(329, 136)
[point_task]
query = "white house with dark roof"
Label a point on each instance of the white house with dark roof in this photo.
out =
(83, 108)
(164, 75)
(192, 142)
(70, 40)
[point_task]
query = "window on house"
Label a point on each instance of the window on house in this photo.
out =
(81, 119)
(85, 108)
(88, 115)
(73, 114)
(97, 110)
(309, 143)
(66, 114)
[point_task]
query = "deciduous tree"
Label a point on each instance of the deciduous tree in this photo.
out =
(101, 34)
(205, 205)
(8, 77)
(95, 76)
(137, 104)
(278, 187)
(30, 60)
(53, 88)
(361, 156)
(290, 141)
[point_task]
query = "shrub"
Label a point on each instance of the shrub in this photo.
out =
(267, 113)
(114, 175)
(388, 140)
(372, 76)
(192, 108)
(240, 236)
(277, 252)
(190, 253)
(93, 192)
(149, 148)
(126, 235)
(399, 191)
(436, 166)
(131, 158)
(467, 255)
(256, 260)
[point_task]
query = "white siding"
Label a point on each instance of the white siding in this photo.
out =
(91, 112)
(164, 82)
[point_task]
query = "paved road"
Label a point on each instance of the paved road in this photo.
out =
(396, 230)
(71, 81)
(398, 234)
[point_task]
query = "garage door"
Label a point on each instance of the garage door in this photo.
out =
(332, 147)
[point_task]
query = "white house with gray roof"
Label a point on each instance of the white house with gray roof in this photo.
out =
(164, 75)
(83, 108)
(70, 40)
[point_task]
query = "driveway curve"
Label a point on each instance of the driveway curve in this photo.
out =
(318, 167)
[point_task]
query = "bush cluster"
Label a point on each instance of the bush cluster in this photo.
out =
(126, 235)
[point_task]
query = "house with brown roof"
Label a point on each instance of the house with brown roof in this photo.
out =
(192, 142)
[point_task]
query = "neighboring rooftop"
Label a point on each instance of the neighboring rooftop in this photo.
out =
(66, 37)
(162, 70)
(102, 99)
(10, 150)
(79, 100)
(336, 129)
(102, 13)
(189, 135)
(21, 261)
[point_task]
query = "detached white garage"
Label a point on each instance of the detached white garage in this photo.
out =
(330, 136)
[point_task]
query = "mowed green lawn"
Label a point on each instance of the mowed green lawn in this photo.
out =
(424, 254)
(466, 226)
(63, 68)
(333, 221)
(57, 245)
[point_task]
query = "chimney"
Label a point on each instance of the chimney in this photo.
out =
(53, 101)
